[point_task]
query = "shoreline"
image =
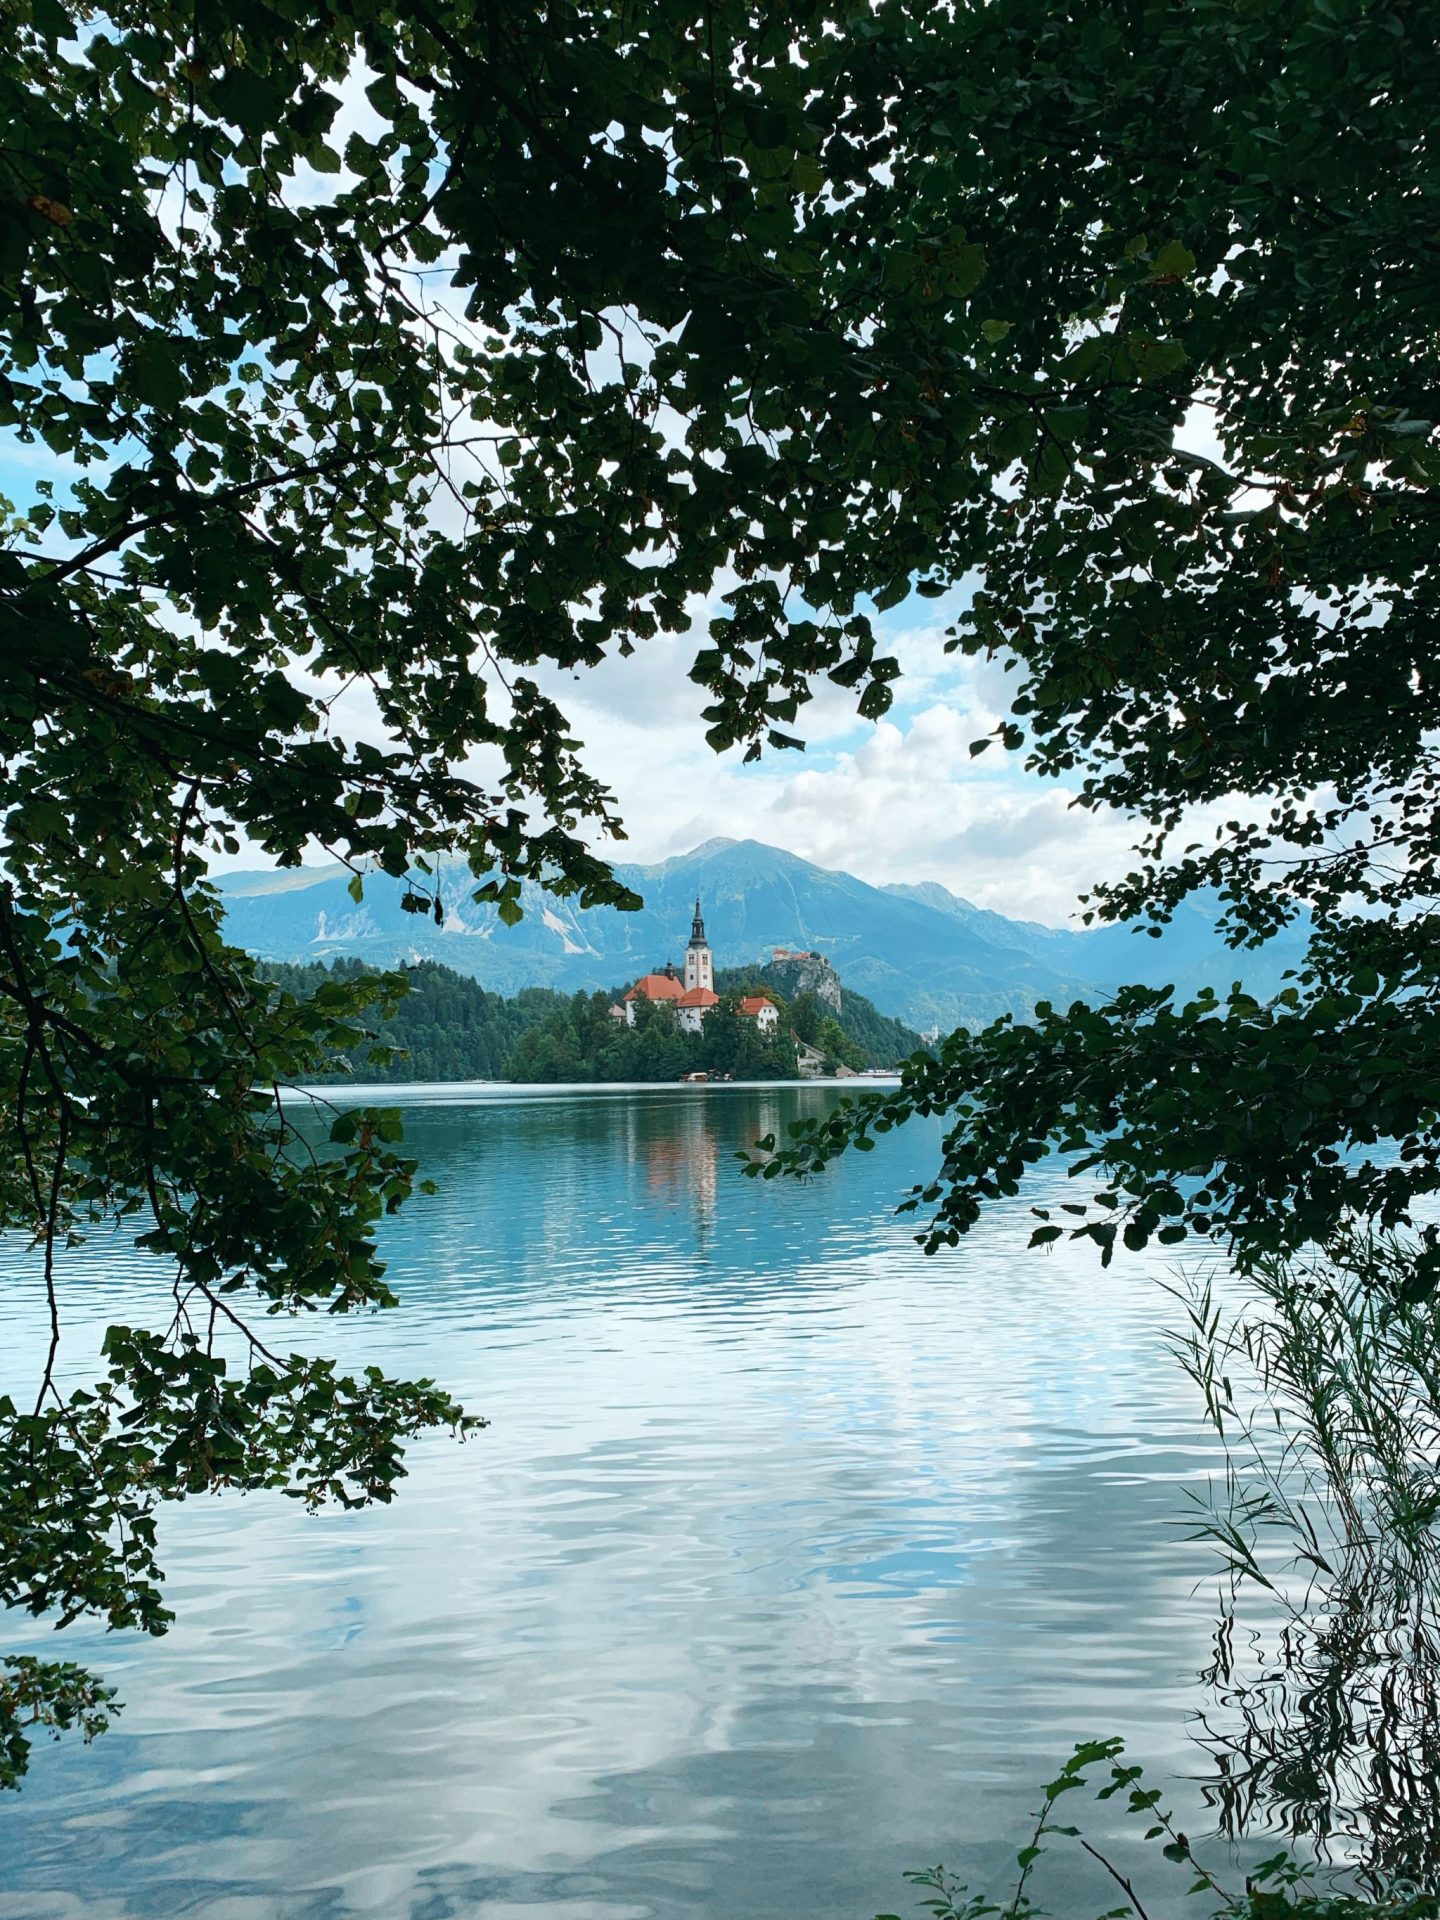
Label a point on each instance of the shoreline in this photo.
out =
(462, 1092)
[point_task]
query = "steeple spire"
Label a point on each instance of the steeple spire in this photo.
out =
(699, 961)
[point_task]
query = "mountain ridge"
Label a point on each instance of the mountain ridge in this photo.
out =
(918, 951)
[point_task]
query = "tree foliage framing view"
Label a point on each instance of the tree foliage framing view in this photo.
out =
(430, 352)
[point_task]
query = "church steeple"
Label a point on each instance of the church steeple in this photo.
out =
(699, 963)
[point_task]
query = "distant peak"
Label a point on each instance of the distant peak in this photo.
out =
(931, 892)
(749, 848)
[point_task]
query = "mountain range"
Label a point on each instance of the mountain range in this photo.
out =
(918, 951)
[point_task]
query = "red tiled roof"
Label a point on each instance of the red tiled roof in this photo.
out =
(656, 986)
(698, 997)
(753, 1002)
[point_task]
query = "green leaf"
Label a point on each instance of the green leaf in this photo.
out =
(154, 372)
(1154, 359)
(767, 126)
(1172, 262)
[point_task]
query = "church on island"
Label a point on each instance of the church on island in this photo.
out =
(693, 995)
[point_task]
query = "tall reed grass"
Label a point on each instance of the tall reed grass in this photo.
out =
(1323, 1714)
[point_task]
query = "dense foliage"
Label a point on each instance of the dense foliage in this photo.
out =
(445, 1026)
(385, 362)
(582, 1040)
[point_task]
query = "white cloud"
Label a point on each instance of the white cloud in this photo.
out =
(900, 800)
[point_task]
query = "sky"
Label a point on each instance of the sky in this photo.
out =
(900, 799)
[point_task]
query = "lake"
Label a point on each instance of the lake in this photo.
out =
(791, 1558)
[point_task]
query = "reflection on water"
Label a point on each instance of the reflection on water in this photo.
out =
(1328, 1727)
(1322, 1715)
(791, 1559)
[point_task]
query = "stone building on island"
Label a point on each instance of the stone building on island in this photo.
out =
(763, 1012)
(693, 994)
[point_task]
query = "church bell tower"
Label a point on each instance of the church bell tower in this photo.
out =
(699, 964)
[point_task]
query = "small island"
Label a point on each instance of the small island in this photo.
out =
(786, 1018)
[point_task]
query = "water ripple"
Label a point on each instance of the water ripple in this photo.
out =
(791, 1559)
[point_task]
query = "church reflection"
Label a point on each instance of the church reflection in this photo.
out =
(684, 1145)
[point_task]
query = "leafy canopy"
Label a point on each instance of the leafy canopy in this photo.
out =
(402, 359)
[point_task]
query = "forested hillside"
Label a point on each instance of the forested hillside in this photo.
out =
(579, 1039)
(881, 1040)
(449, 1026)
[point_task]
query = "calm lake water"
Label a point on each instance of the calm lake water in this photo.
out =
(790, 1560)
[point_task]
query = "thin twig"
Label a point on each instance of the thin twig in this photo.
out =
(1116, 1875)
